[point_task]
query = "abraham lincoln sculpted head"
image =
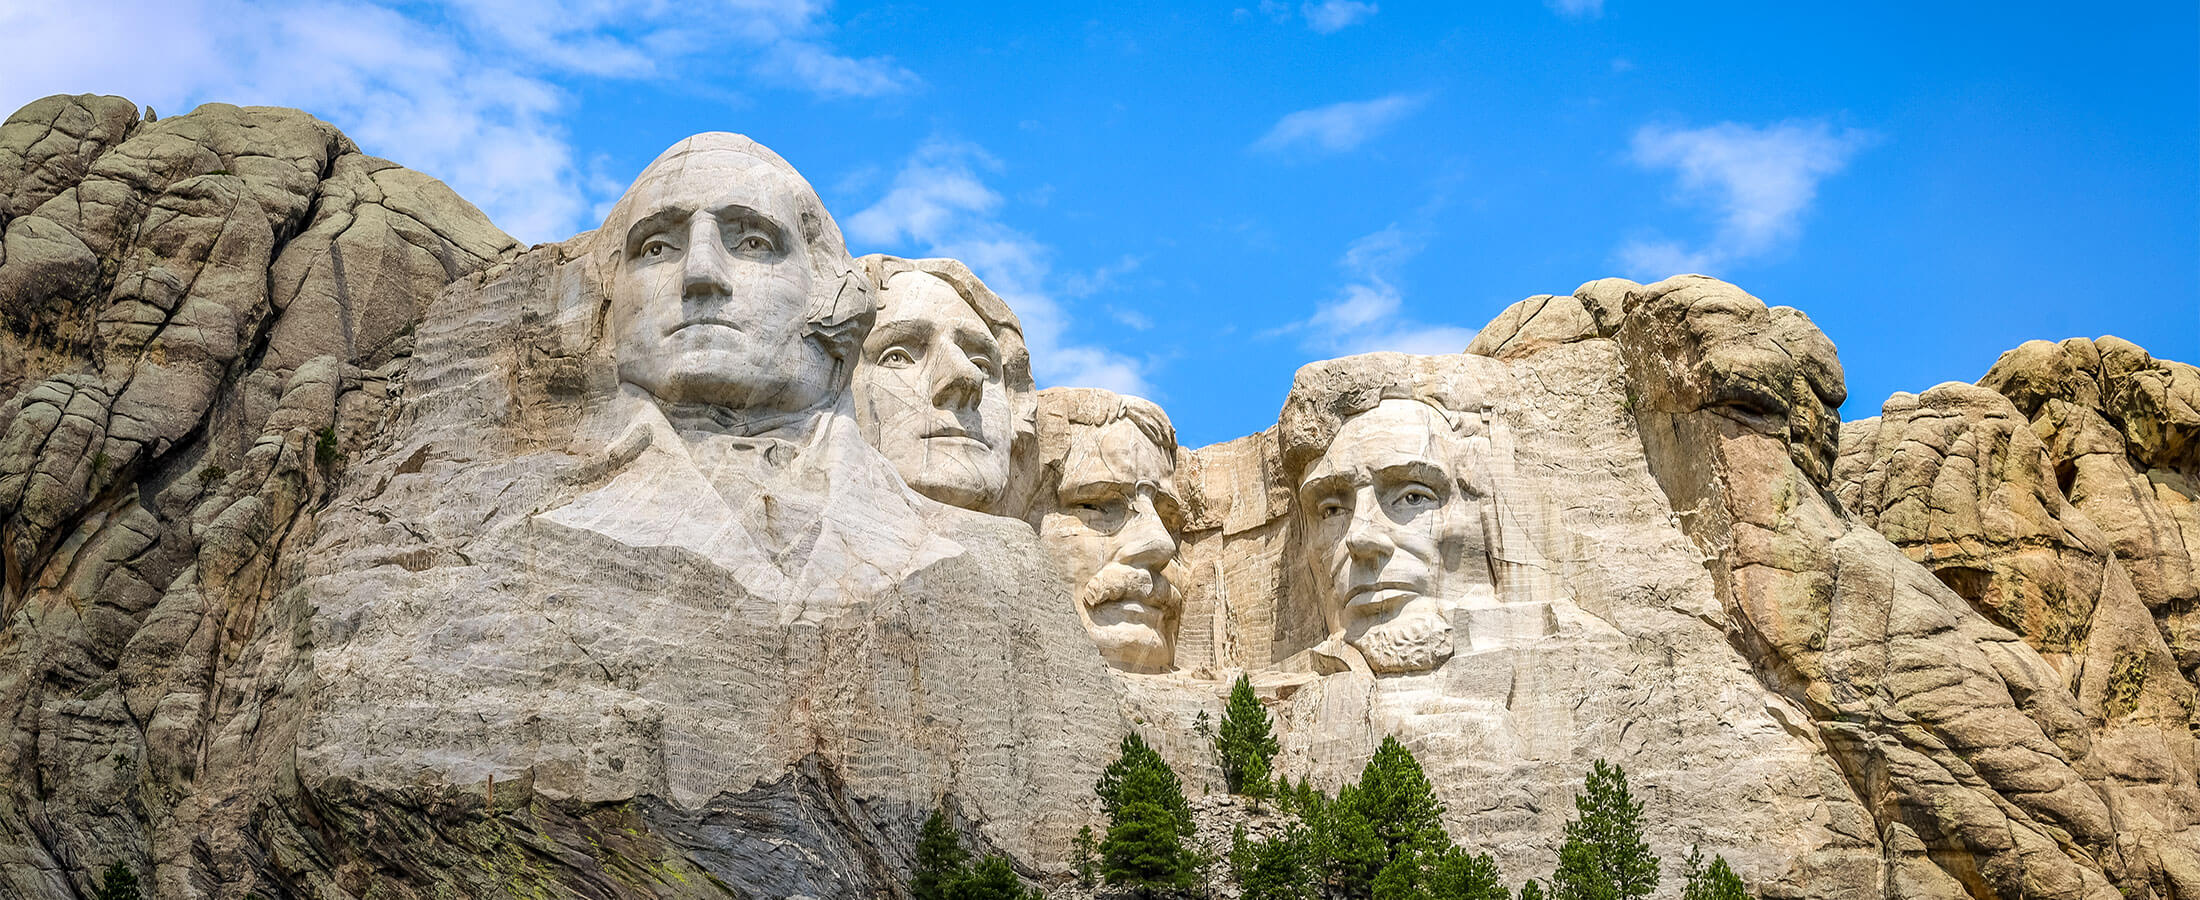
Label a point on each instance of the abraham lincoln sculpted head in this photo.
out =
(1389, 511)
(731, 294)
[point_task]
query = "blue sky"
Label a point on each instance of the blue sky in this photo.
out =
(1190, 201)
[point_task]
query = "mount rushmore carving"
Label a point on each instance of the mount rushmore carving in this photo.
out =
(699, 555)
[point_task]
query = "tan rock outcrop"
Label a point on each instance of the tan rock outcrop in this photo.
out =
(352, 550)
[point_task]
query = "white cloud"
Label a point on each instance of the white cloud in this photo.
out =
(1364, 315)
(464, 93)
(939, 205)
(1337, 127)
(1333, 15)
(1576, 9)
(1758, 182)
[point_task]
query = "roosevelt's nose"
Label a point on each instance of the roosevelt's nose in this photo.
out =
(704, 271)
(957, 382)
(1145, 542)
(1367, 538)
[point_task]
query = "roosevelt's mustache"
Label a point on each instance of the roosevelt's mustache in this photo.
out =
(1116, 582)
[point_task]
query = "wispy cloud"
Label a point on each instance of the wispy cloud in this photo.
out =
(1364, 316)
(1330, 16)
(1757, 181)
(1338, 127)
(1576, 9)
(467, 93)
(1326, 17)
(939, 205)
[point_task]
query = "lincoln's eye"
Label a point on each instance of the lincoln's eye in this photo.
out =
(754, 243)
(1416, 495)
(896, 358)
(1332, 508)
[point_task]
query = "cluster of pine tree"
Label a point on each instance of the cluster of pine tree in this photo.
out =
(1380, 838)
(944, 872)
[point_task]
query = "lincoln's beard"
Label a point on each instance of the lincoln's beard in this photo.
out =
(1129, 637)
(1415, 639)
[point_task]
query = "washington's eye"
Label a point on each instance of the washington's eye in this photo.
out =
(655, 248)
(896, 358)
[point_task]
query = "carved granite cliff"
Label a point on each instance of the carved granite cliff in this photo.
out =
(352, 550)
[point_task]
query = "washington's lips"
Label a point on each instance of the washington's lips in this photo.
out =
(708, 320)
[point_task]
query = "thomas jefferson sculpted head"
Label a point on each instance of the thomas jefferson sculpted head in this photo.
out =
(943, 384)
(730, 289)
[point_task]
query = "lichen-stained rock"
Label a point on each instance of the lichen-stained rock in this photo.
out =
(2122, 430)
(1957, 478)
(158, 459)
(1957, 734)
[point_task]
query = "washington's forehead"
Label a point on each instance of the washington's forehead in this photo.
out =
(710, 179)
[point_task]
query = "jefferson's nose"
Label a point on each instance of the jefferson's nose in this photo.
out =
(1145, 541)
(704, 270)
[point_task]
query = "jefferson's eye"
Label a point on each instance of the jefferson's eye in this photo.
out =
(896, 358)
(984, 365)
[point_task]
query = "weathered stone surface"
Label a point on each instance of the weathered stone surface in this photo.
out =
(352, 551)
(161, 457)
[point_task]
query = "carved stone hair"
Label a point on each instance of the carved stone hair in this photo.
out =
(1325, 394)
(841, 301)
(1094, 408)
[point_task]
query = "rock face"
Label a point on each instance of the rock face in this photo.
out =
(352, 550)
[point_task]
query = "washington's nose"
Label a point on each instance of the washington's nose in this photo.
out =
(1146, 543)
(958, 383)
(704, 273)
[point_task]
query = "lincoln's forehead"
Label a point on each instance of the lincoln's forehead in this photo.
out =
(1394, 433)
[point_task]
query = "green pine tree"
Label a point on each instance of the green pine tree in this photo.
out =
(1144, 849)
(1397, 799)
(941, 859)
(1352, 851)
(1136, 755)
(1604, 856)
(1533, 890)
(1085, 858)
(1279, 868)
(1455, 874)
(991, 879)
(1244, 747)
(1713, 882)
(117, 883)
(1403, 878)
